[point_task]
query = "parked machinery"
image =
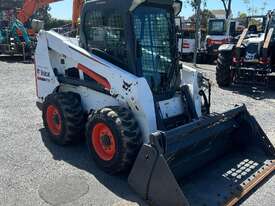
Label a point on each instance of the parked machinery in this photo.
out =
(220, 31)
(17, 33)
(14, 37)
(252, 58)
(186, 40)
(121, 83)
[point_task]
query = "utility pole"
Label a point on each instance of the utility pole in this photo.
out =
(264, 7)
(198, 25)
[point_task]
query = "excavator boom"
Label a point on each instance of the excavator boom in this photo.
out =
(31, 6)
(77, 7)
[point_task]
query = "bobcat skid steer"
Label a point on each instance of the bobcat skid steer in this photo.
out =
(252, 59)
(120, 83)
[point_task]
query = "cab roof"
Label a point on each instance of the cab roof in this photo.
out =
(124, 5)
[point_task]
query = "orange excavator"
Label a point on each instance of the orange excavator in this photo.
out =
(15, 38)
(31, 6)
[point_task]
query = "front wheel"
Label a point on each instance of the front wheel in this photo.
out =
(113, 138)
(223, 69)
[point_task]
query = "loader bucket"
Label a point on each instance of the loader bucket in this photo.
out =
(215, 160)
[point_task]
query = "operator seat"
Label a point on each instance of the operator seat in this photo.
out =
(252, 29)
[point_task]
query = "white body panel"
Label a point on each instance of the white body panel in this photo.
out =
(87, 95)
(259, 38)
(189, 76)
(217, 39)
(171, 107)
(58, 53)
(186, 46)
(46, 80)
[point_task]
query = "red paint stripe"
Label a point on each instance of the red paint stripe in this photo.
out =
(99, 79)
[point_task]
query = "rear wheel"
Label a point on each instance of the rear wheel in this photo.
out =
(63, 117)
(113, 138)
(223, 69)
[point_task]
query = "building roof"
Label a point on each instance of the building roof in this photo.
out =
(218, 12)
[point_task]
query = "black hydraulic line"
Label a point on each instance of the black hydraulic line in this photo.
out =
(185, 92)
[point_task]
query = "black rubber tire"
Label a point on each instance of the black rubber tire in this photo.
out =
(72, 117)
(223, 69)
(127, 137)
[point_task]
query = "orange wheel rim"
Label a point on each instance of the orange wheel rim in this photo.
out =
(54, 120)
(103, 142)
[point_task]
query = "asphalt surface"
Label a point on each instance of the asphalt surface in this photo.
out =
(34, 171)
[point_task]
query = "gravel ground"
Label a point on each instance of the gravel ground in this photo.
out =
(31, 167)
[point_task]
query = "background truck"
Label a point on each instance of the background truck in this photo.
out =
(122, 85)
(218, 34)
(186, 40)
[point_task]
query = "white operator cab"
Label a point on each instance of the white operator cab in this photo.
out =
(152, 84)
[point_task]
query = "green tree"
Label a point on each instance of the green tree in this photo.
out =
(43, 14)
(193, 3)
(242, 18)
(196, 4)
(49, 22)
(55, 23)
(227, 4)
(205, 16)
(242, 15)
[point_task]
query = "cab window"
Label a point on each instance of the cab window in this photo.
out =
(106, 33)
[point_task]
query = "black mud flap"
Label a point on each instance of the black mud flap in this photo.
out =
(216, 160)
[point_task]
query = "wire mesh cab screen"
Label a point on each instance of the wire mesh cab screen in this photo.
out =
(105, 31)
(152, 27)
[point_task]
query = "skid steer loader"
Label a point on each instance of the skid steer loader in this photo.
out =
(122, 85)
(251, 60)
